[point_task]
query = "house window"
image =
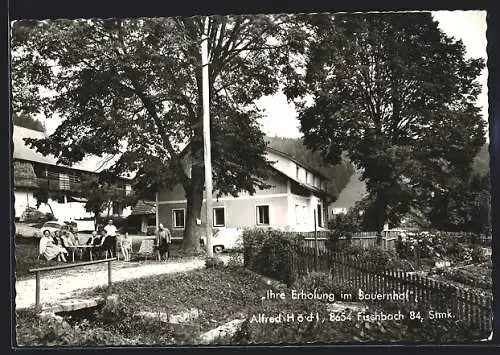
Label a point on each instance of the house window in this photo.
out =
(63, 181)
(298, 214)
(219, 217)
(297, 172)
(304, 214)
(320, 216)
(263, 215)
(178, 218)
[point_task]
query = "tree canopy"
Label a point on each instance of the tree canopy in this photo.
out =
(132, 87)
(399, 96)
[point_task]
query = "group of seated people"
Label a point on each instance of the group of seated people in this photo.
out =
(58, 245)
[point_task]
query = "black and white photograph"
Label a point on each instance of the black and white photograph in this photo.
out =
(261, 179)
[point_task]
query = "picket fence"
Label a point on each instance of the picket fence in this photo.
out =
(369, 239)
(472, 308)
(361, 239)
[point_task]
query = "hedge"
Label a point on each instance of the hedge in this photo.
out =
(269, 252)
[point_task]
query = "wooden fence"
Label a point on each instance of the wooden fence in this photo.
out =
(364, 240)
(369, 239)
(472, 308)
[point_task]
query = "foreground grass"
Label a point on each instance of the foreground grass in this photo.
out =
(223, 295)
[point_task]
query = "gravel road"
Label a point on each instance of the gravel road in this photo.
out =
(68, 283)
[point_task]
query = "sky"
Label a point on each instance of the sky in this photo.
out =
(280, 117)
(469, 26)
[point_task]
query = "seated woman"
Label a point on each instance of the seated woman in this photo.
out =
(126, 246)
(68, 243)
(49, 250)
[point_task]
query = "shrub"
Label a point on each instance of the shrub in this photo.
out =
(33, 215)
(377, 258)
(338, 240)
(269, 252)
(478, 255)
(433, 245)
(235, 262)
(253, 239)
(214, 263)
(33, 330)
(472, 278)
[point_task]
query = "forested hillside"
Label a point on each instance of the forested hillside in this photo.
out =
(338, 175)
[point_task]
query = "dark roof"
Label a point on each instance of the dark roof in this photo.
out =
(298, 162)
(304, 185)
(144, 207)
(24, 174)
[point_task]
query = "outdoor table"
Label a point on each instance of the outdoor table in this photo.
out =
(83, 247)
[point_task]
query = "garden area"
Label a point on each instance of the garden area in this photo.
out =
(177, 309)
(458, 260)
(220, 295)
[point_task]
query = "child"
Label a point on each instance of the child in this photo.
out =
(126, 246)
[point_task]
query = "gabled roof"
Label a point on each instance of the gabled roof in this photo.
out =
(298, 162)
(21, 151)
(144, 207)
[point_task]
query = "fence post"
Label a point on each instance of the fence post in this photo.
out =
(37, 290)
(109, 278)
(316, 251)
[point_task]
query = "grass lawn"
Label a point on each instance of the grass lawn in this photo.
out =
(221, 295)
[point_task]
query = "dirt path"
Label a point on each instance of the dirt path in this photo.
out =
(68, 283)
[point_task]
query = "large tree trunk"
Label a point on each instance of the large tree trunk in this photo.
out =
(380, 211)
(51, 210)
(194, 195)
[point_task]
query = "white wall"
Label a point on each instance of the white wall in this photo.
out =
(62, 211)
(307, 206)
(285, 165)
(22, 200)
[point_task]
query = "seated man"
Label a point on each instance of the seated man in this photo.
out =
(107, 244)
(67, 242)
(95, 241)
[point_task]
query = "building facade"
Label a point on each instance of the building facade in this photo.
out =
(296, 199)
(33, 172)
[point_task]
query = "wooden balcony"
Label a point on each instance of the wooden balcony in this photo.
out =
(57, 185)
